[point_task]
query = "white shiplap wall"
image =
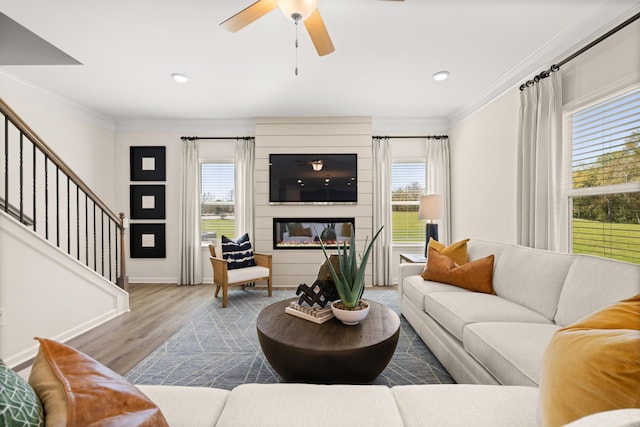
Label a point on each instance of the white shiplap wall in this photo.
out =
(310, 135)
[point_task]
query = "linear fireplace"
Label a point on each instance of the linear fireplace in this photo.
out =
(306, 233)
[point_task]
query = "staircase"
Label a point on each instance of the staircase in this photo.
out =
(62, 251)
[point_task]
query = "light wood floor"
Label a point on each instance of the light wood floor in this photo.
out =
(157, 311)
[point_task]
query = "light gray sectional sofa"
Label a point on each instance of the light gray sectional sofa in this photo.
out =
(500, 339)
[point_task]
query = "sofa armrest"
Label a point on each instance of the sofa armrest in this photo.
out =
(408, 269)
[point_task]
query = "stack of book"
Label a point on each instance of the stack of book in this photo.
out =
(313, 313)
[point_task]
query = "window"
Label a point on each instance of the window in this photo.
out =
(604, 193)
(407, 185)
(217, 200)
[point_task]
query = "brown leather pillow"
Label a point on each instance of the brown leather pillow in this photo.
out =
(475, 276)
(76, 390)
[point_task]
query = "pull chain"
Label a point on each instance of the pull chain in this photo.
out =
(296, 22)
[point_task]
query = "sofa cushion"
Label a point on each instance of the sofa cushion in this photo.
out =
(457, 251)
(77, 390)
(187, 406)
(475, 275)
(247, 273)
(477, 249)
(238, 253)
(19, 404)
(510, 351)
(416, 288)
(583, 292)
(310, 405)
(466, 405)
(532, 277)
(593, 365)
(454, 310)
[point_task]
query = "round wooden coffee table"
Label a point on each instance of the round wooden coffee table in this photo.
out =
(331, 352)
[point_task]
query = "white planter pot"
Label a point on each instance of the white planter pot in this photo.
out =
(350, 317)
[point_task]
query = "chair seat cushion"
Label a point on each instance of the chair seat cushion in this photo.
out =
(247, 273)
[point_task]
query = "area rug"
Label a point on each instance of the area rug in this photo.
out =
(219, 348)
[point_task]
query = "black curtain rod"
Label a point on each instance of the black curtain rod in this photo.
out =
(197, 138)
(412, 137)
(556, 67)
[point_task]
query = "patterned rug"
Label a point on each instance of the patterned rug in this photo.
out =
(219, 348)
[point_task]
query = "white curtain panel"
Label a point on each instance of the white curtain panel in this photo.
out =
(539, 198)
(245, 161)
(439, 182)
(189, 215)
(382, 249)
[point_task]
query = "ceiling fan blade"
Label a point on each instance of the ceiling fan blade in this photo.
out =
(318, 33)
(248, 15)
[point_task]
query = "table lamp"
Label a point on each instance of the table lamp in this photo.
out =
(430, 208)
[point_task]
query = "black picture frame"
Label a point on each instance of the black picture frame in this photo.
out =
(148, 163)
(147, 201)
(147, 241)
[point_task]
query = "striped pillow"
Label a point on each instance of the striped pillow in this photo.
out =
(237, 253)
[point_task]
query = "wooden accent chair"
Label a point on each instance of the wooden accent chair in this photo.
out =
(223, 277)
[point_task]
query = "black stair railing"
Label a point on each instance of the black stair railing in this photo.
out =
(44, 194)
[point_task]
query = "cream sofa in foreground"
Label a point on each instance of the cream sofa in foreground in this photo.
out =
(308, 405)
(500, 339)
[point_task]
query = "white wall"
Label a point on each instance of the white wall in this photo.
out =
(46, 293)
(484, 145)
(166, 270)
(483, 151)
(83, 139)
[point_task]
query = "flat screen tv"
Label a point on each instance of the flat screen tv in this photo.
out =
(313, 178)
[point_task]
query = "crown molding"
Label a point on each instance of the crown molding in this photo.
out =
(40, 95)
(407, 126)
(583, 30)
(192, 127)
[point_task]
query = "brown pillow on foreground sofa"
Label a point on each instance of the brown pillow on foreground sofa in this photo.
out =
(592, 365)
(76, 390)
(475, 276)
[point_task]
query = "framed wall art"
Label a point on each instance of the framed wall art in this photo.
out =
(147, 201)
(147, 241)
(148, 163)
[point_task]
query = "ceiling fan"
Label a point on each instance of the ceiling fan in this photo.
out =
(297, 10)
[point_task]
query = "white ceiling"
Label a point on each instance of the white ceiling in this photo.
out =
(386, 52)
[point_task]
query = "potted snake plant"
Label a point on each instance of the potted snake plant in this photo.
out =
(349, 281)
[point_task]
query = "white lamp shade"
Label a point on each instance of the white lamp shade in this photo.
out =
(430, 207)
(302, 7)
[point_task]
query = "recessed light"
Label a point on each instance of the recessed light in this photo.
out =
(180, 78)
(440, 76)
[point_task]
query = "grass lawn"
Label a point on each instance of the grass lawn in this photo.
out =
(220, 226)
(597, 238)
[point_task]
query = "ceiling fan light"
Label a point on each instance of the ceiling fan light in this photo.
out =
(317, 165)
(297, 10)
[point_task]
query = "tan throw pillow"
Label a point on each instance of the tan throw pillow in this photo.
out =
(475, 276)
(592, 365)
(457, 251)
(76, 390)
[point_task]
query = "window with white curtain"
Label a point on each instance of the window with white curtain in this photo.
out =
(604, 178)
(407, 185)
(217, 200)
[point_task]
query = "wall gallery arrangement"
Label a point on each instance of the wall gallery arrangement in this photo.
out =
(147, 201)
